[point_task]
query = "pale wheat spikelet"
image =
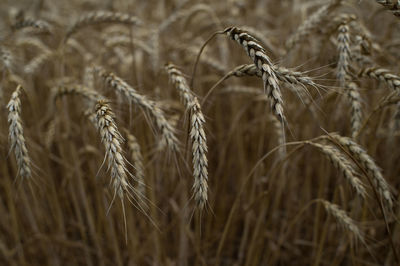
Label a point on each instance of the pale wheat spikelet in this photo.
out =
(112, 140)
(369, 165)
(97, 17)
(311, 24)
(264, 64)
(352, 91)
(343, 219)
(343, 46)
(137, 160)
(199, 151)
(342, 164)
(197, 135)
(16, 134)
(176, 77)
(392, 5)
(149, 106)
(384, 75)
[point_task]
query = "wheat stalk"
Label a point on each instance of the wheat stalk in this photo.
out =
(16, 134)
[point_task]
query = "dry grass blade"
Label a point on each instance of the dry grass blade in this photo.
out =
(16, 134)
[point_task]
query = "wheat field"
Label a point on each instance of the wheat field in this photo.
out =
(189, 132)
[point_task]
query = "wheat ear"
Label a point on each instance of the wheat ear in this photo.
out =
(264, 64)
(311, 24)
(343, 46)
(137, 160)
(369, 165)
(343, 165)
(147, 105)
(343, 219)
(112, 140)
(354, 97)
(97, 17)
(393, 6)
(16, 134)
(197, 135)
